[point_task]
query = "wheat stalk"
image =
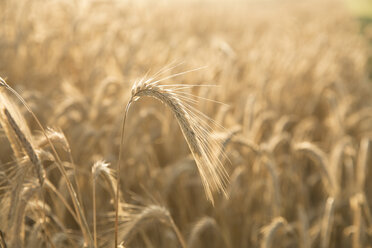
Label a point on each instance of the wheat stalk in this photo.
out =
(98, 168)
(327, 222)
(2, 240)
(358, 223)
(81, 217)
(194, 126)
(52, 188)
(304, 227)
(18, 231)
(362, 164)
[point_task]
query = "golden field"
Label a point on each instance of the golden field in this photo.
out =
(247, 124)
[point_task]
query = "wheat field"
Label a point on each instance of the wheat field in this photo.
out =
(192, 124)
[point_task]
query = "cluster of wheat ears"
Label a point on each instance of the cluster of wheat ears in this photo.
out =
(184, 124)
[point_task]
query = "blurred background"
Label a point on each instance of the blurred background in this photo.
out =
(292, 91)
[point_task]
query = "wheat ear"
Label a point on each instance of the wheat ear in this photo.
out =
(270, 230)
(136, 218)
(205, 225)
(80, 214)
(27, 147)
(321, 159)
(195, 128)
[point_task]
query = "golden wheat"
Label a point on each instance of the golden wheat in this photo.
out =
(294, 80)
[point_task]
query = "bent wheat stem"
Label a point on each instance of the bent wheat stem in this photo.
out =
(195, 129)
